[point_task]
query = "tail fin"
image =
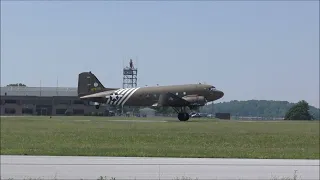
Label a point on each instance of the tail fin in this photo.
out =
(88, 83)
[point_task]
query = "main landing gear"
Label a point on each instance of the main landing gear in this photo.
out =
(183, 116)
(182, 113)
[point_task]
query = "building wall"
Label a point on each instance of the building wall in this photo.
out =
(39, 105)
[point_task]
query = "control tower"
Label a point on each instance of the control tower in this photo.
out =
(130, 76)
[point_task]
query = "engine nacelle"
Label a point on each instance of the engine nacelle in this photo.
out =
(196, 100)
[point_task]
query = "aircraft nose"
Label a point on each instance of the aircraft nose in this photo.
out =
(218, 94)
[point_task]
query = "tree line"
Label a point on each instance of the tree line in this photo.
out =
(263, 108)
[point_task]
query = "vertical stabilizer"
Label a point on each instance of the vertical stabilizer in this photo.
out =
(88, 83)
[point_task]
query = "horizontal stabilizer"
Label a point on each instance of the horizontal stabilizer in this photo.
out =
(98, 95)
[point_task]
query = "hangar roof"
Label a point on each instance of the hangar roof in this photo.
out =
(38, 91)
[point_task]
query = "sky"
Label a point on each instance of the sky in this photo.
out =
(248, 49)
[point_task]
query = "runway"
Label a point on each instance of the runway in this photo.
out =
(66, 167)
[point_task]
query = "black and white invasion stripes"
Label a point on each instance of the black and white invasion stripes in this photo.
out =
(120, 96)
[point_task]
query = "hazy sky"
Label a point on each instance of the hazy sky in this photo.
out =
(250, 50)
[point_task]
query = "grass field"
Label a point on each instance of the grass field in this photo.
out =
(98, 136)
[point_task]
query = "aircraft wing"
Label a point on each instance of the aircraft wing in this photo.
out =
(170, 99)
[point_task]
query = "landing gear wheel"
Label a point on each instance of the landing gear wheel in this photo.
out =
(97, 106)
(183, 116)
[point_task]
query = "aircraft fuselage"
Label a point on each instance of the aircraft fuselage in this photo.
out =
(179, 97)
(148, 96)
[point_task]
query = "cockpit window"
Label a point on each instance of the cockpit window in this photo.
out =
(212, 88)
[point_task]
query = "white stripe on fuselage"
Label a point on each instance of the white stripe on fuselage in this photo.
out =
(127, 95)
(124, 94)
(120, 91)
(126, 99)
(109, 99)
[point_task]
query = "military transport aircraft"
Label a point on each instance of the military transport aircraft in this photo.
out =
(179, 97)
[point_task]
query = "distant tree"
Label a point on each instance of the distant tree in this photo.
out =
(299, 111)
(17, 84)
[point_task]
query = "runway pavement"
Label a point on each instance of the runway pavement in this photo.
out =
(66, 167)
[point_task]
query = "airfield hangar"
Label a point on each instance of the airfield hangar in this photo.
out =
(20, 100)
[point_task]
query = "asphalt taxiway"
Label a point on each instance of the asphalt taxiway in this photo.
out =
(66, 167)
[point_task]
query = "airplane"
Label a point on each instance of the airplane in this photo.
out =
(179, 97)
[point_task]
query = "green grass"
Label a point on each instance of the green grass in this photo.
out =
(196, 138)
